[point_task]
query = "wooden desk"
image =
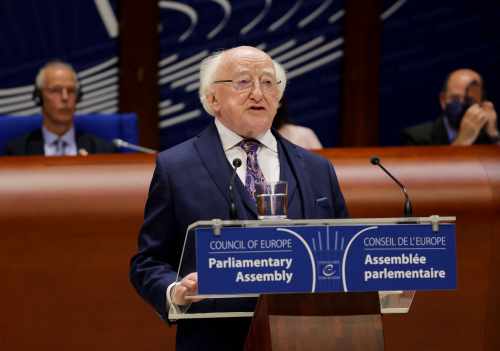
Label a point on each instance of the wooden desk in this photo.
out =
(464, 182)
(69, 227)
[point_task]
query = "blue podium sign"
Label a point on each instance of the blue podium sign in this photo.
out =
(325, 258)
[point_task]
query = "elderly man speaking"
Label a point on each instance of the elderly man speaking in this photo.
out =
(241, 88)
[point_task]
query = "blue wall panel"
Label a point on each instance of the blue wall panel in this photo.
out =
(305, 36)
(81, 32)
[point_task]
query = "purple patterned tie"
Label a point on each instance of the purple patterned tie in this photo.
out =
(254, 173)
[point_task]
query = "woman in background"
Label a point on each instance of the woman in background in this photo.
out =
(299, 135)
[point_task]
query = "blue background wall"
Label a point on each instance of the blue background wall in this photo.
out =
(421, 42)
(33, 32)
(305, 36)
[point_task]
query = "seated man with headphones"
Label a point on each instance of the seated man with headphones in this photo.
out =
(57, 91)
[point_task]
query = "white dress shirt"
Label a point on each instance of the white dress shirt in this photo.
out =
(267, 154)
(49, 139)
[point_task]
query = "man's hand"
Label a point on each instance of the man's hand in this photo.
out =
(491, 116)
(472, 122)
(186, 287)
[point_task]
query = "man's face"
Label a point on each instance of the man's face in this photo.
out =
(459, 85)
(248, 104)
(59, 95)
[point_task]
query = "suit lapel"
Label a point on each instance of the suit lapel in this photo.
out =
(439, 134)
(293, 156)
(83, 142)
(287, 174)
(213, 158)
(35, 143)
(249, 203)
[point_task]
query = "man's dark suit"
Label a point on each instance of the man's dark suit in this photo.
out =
(434, 133)
(32, 144)
(191, 183)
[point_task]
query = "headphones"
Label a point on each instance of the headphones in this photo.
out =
(38, 98)
(37, 93)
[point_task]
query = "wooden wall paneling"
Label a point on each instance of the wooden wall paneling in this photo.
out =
(139, 56)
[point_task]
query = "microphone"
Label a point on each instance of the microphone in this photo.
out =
(125, 144)
(408, 211)
(233, 213)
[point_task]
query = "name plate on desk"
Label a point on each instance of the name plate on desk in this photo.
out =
(327, 258)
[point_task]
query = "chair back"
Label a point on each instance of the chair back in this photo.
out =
(105, 126)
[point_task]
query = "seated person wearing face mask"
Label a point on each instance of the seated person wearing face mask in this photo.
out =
(467, 117)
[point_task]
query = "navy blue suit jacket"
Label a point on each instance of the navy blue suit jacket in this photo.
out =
(32, 144)
(434, 133)
(190, 183)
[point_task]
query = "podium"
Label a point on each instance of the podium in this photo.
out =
(329, 321)
(322, 284)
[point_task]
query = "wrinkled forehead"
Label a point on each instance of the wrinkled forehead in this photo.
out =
(253, 62)
(59, 75)
(460, 80)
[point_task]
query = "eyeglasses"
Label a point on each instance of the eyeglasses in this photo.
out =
(57, 90)
(267, 84)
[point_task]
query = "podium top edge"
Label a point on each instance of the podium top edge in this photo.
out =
(338, 221)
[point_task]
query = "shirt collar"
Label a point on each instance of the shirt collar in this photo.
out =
(49, 137)
(230, 139)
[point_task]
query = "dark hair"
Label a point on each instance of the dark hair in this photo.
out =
(281, 117)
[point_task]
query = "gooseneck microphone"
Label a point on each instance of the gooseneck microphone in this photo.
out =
(120, 143)
(233, 213)
(408, 211)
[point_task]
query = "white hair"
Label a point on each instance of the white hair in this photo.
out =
(40, 77)
(208, 70)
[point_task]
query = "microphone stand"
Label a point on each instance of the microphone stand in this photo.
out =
(233, 212)
(122, 143)
(408, 210)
